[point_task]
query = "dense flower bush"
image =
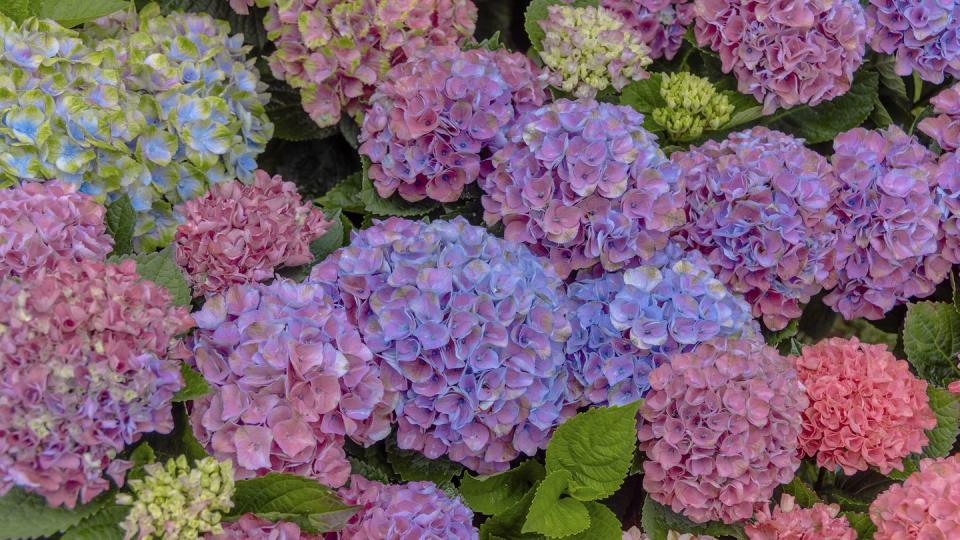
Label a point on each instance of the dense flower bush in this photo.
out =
(693, 105)
(84, 371)
(719, 427)
(582, 182)
(758, 206)
(467, 328)
(336, 52)
(435, 121)
(790, 521)
(924, 506)
(945, 126)
(42, 224)
(922, 36)
(887, 222)
(238, 234)
(660, 23)
(785, 54)
(315, 381)
(399, 512)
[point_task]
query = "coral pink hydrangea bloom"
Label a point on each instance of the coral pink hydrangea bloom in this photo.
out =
(250, 527)
(43, 223)
(925, 507)
(84, 372)
(238, 233)
(719, 427)
(945, 127)
(866, 407)
(789, 521)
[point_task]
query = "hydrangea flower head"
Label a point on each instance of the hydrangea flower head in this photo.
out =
(719, 427)
(582, 182)
(887, 222)
(627, 323)
(290, 377)
(468, 328)
(44, 223)
(866, 407)
(948, 202)
(399, 512)
(238, 233)
(251, 527)
(85, 371)
(925, 506)
(922, 34)
(785, 54)
(758, 209)
(693, 105)
(944, 128)
(435, 120)
(587, 49)
(335, 52)
(659, 23)
(789, 520)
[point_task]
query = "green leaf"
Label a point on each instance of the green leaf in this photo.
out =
(604, 524)
(394, 206)
(121, 219)
(847, 501)
(194, 385)
(657, 520)
(802, 493)
(180, 442)
(18, 10)
(412, 466)
(931, 340)
(889, 78)
(331, 240)
(507, 525)
(553, 515)
(492, 43)
(880, 116)
(860, 521)
(104, 525)
(825, 121)
(369, 471)
(941, 438)
(537, 11)
(596, 447)
(494, 494)
(26, 515)
(70, 13)
(314, 507)
(160, 268)
(956, 291)
(644, 96)
(345, 195)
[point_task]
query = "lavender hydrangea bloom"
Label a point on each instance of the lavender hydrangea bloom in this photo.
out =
(948, 202)
(582, 182)
(758, 205)
(435, 121)
(468, 328)
(944, 128)
(887, 222)
(786, 53)
(923, 34)
(627, 323)
(660, 23)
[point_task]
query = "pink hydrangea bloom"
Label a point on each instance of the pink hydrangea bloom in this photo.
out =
(719, 427)
(241, 6)
(634, 533)
(435, 121)
(43, 223)
(404, 512)
(923, 34)
(250, 527)
(926, 506)
(887, 222)
(785, 53)
(866, 407)
(582, 182)
(945, 127)
(660, 23)
(789, 521)
(84, 372)
(335, 52)
(290, 377)
(239, 233)
(757, 208)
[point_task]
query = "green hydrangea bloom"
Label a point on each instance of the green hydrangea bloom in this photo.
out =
(176, 502)
(693, 106)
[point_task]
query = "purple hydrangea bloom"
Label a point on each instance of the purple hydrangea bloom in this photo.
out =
(948, 201)
(887, 222)
(435, 120)
(922, 33)
(627, 323)
(660, 23)
(758, 205)
(786, 53)
(468, 328)
(582, 182)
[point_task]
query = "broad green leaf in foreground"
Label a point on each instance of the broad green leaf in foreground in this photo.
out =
(72, 13)
(551, 513)
(312, 506)
(495, 494)
(931, 340)
(104, 525)
(26, 515)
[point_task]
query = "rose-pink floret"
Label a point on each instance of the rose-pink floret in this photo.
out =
(43, 223)
(785, 53)
(290, 377)
(251, 527)
(926, 506)
(945, 126)
(719, 428)
(660, 23)
(789, 521)
(923, 34)
(239, 233)
(435, 120)
(84, 372)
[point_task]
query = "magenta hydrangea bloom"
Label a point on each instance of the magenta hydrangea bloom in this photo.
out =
(335, 52)
(250, 527)
(785, 53)
(405, 511)
(660, 23)
(468, 328)
(887, 222)
(435, 121)
(239, 233)
(923, 34)
(582, 182)
(291, 378)
(719, 427)
(84, 372)
(926, 506)
(627, 323)
(43, 223)
(945, 127)
(790, 521)
(758, 205)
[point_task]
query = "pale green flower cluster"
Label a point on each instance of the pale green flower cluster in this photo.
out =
(693, 106)
(177, 502)
(588, 49)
